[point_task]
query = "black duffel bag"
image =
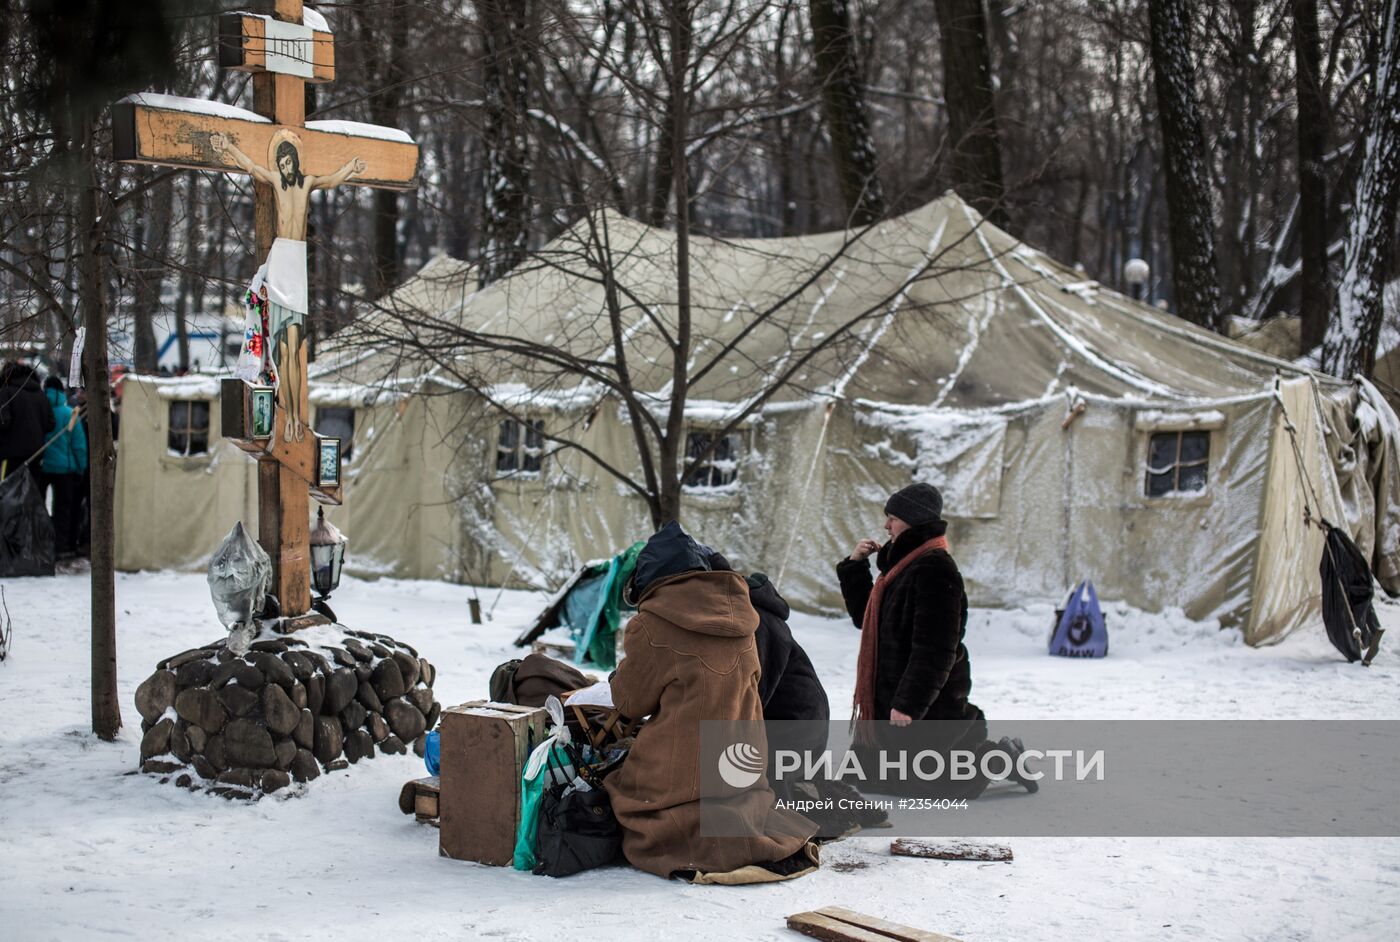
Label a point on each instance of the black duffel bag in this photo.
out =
(576, 831)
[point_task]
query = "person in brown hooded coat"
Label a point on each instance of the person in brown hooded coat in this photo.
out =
(690, 657)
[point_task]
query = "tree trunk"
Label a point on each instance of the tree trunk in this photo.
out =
(1190, 216)
(671, 448)
(1315, 304)
(143, 334)
(190, 272)
(974, 144)
(148, 260)
(106, 708)
(385, 107)
(1232, 146)
(852, 146)
(663, 178)
(781, 143)
(506, 179)
(1349, 347)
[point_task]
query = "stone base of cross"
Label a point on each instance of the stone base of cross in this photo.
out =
(288, 158)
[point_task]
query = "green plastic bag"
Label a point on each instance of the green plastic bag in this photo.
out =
(548, 755)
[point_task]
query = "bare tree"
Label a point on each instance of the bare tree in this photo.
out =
(1077, 119)
(1189, 201)
(1349, 347)
(69, 92)
(505, 28)
(1315, 304)
(598, 360)
(387, 67)
(852, 146)
(974, 141)
(146, 264)
(645, 286)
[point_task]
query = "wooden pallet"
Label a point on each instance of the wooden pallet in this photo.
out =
(835, 924)
(950, 850)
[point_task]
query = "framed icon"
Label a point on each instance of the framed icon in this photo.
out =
(261, 407)
(328, 462)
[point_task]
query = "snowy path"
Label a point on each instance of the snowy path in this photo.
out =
(90, 850)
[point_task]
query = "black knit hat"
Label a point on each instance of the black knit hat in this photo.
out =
(916, 504)
(53, 382)
(669, 552)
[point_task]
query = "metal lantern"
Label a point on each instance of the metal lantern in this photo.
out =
(327, 555)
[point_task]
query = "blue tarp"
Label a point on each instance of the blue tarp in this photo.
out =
(584, 607)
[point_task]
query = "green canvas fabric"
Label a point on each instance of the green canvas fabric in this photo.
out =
(602, 650)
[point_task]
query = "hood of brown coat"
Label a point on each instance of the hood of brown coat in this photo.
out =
(707, 603)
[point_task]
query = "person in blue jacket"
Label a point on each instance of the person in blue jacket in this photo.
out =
(65, 461)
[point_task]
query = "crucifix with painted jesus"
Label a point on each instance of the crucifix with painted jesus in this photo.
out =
(288, 157)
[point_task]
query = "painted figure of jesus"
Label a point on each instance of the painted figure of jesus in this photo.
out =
(285, 269)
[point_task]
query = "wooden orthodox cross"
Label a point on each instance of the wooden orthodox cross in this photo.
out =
(288, 157)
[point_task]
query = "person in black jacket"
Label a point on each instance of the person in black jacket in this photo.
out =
(915, 666)
(793, 696)
(922, 668)
(26, 419)
(789, 687)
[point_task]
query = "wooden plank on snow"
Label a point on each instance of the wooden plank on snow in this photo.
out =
(950, 850)
(882, 928)
(827, 929)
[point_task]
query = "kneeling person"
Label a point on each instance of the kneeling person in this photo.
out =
(690, 657)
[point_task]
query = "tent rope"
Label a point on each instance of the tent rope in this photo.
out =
(807, 488)
(529, 539)
(1310, 498)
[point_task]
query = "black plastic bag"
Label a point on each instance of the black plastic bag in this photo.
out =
(1347, 594)
(26, 532)
(577, 831)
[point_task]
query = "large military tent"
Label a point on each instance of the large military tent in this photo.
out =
(1075, 432)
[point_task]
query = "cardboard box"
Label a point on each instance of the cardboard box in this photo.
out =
(484, 747)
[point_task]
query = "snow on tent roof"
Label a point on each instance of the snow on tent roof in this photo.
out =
(947, 311)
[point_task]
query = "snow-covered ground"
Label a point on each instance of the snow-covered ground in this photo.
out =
(89, 848)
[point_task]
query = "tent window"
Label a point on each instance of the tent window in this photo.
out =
(188, 428)
(338, 422)
(1177, 463)
(521, 446)
(720, 467)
